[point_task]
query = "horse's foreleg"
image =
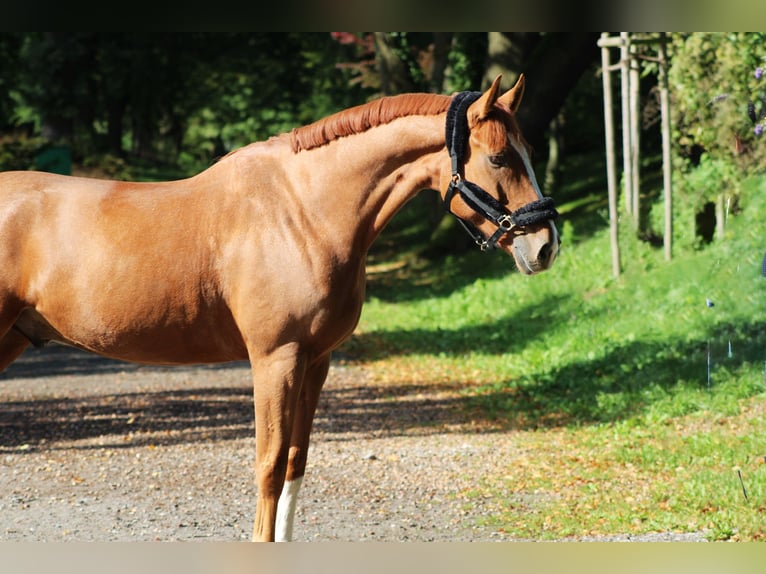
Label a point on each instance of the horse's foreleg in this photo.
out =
(299, 445)
(277, 380)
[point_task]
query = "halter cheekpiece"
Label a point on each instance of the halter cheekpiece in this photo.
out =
(473, 195)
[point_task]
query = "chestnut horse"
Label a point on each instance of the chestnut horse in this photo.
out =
(262, 255)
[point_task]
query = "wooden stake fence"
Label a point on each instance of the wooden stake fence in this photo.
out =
(629, 67)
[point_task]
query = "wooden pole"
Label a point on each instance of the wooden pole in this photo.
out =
(635, 133)
(627, 148)
(667, 176)
(720, 216)
(611, 170)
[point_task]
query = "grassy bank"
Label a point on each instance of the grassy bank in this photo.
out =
(640, 400)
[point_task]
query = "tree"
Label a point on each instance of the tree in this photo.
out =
(553, 69)
(157, 95)
(9, 70)
(192, 96)
(718, 116)
(507, 53)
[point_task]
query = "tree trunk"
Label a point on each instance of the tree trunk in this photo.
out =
(506, 54)
(442, 45)
(553, 69)
(555, 155)
(115, 117)
(394, 76)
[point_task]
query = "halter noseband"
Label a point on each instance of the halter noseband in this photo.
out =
(473, 195)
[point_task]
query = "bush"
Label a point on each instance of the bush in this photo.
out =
(718, 110)
(18, 151)
(719, 100)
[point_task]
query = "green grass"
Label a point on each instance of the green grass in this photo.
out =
(638, 476)
(615, 368)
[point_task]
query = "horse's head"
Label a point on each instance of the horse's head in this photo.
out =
(493, 190)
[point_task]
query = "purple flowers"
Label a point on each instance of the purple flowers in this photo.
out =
(759, 127)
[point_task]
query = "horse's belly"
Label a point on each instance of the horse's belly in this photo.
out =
(171, 344)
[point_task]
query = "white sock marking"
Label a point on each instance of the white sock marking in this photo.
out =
(286, 510)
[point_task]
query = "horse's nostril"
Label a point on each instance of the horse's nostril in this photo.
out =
(545, 252)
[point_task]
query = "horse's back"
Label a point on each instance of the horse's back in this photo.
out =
(29, 199)
(22, 200)
(31, 184)
(108, 265)
(34, 209)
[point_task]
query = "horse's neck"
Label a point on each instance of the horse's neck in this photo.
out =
(368, 177)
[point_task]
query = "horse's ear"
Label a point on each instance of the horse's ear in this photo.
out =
(512, 98)
(481, 107)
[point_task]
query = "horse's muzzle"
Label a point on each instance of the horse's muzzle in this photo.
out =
(535, 252)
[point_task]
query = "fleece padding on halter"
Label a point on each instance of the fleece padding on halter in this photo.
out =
(457, 126)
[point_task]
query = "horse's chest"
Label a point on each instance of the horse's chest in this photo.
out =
(339, 307)
(303, 292)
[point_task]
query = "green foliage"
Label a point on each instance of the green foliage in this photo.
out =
(9, 45)
(404, 44)
(714, 180)
(108, 166)
(714, 92)
(190, 96)
(466, 62)
(712, 80)
(18, 151)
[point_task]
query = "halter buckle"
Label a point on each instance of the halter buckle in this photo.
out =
(506, 222)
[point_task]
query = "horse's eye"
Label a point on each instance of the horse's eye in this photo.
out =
(499, 160)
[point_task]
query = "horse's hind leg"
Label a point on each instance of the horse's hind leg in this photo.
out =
(12, 342)
(12, 345)
(299, 445)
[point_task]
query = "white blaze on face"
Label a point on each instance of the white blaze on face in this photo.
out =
(522, 151)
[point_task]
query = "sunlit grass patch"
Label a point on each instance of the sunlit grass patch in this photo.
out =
(637, 477)
(638, 398)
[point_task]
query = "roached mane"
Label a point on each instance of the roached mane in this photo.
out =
(361, 118)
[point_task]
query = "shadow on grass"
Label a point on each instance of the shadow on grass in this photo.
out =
(625, 381)
(504, 335)
(425, 277)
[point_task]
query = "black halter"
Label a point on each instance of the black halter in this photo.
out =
(473, 195)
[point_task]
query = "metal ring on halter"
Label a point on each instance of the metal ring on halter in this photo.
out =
(505, 222)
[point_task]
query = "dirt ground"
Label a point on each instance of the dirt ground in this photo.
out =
(99, 450)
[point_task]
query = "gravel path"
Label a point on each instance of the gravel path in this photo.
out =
(97, 450)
